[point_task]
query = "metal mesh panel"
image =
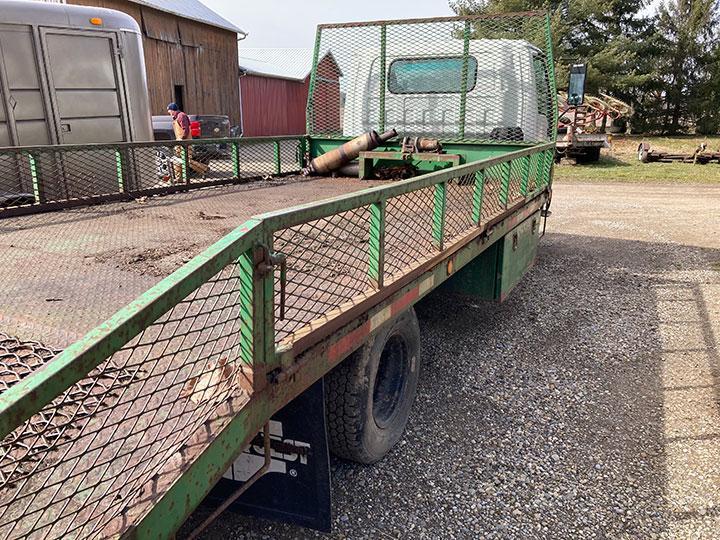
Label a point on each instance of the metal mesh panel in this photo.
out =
(57, 174)
(327, 265)
(493, 191)
(409, 230)
(517, 179)
(472, 79)
(100, 453)
(459, 206)
(73, 468)
(290, 156)
(535, 171)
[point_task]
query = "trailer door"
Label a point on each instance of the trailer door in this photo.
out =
(24, 110)
(86, 86)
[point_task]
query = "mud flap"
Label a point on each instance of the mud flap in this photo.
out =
(296, 489)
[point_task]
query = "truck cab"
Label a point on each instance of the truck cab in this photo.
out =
(505, 87)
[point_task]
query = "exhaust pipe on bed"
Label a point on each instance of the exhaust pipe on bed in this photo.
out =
(334, 159)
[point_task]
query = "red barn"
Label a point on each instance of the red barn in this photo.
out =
(274, 86)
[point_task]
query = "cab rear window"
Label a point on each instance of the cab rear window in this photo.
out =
(430, 75)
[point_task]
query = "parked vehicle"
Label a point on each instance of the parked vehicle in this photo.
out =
(68, 75)
(202, 126)
(505, 87)
(578, 135)
(296, 332)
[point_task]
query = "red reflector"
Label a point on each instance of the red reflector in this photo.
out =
(195, 129)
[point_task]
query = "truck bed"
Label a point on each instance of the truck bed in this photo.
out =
(183, 377)
(75, 268)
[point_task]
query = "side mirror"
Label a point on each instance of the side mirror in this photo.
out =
(576, 86)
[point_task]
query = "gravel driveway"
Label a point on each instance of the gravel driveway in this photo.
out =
(585, 406)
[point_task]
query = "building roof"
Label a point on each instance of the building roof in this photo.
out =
(191, 9)
(282, 63)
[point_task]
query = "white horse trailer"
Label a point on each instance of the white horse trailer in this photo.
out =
(70, 75)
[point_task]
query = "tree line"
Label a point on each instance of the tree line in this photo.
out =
(663, 59)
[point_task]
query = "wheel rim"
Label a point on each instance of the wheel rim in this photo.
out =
(390, 380)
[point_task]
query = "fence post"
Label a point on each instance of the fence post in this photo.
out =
(439, 214)
(37, 191)
(278, 162)
(310, 109)
(302, 150)
(235, 159)
(463, 82)
(478, 196)
(383, 61)
(184, 154)
(376, 248)
(525, 164)
(547, 166)
(505, 186)
(119, 170)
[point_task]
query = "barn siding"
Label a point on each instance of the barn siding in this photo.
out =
(273, 106)
(184, 52)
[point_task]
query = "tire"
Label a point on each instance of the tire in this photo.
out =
(370, 394)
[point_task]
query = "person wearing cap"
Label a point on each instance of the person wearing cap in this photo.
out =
(181, 128)
(181, 122)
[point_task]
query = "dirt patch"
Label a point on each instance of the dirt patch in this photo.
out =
(155, 261)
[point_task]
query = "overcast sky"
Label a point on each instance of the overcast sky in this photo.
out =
(291, 23)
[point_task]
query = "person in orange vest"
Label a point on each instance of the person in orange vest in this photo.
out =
(181, 128)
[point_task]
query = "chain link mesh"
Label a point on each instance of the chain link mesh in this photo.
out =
(471, 79)
(57, 174)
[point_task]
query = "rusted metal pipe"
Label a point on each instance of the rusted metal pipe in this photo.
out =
(334, 159)
(412, 145)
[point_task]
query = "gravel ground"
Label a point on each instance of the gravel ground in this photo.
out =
(585, 406)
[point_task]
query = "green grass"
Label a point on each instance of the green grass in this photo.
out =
(620, 163)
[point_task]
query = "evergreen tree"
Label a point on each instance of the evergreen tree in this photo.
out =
(688, 29)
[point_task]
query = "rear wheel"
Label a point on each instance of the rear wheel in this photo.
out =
(370, 394)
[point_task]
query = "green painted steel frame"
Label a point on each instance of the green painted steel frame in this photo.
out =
(307, 360)
(466, 35)
(122, 153)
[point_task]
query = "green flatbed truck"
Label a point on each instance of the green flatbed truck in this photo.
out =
(127, 430)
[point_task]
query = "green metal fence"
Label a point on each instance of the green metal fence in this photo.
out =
(484, 78)
(35, 178)
(102, 433)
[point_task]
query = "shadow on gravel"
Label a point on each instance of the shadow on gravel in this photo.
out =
(585, 406)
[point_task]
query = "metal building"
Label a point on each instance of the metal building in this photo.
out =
(274, 84)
